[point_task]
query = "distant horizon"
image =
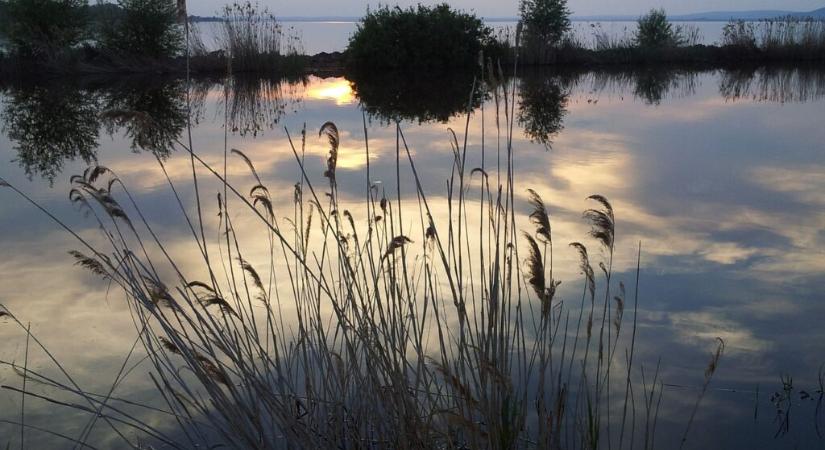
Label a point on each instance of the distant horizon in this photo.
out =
(709, 16)
(509, 9)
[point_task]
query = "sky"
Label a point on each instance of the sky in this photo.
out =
(509, 8)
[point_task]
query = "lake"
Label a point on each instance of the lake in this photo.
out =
(718, 174)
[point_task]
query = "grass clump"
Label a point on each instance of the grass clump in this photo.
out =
(253, 40)
(776, 39)
(420, 37)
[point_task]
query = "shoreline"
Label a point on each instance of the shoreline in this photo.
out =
(87, 62)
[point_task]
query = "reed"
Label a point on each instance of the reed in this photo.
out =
(254, 40)
(802, 38)
(404, 321)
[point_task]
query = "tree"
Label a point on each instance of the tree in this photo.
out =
(545, 21)
(146, 28)
(436, 37)
(44, 27)
(654, 30)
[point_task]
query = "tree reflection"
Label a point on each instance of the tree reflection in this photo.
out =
(650, 84)
(49, 124)
(542, 106)
(415, 96)
(151, 114)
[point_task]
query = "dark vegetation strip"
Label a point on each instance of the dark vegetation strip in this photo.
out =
(59, 37)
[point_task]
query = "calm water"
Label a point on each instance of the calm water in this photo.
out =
(719, 174)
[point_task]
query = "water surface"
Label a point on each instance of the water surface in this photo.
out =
(719, 175)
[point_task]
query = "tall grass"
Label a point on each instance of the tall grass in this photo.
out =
(254, 40)
(783, 35)
(397, 321)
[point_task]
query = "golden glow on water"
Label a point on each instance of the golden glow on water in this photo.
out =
(338, 89)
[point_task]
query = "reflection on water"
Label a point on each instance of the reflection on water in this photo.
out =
(543, 97)
(725, 195)
(53, 122)
(649, 84)
(771, 84)
(161, 106)
(414, 96)
(50, 124)
(257, 104)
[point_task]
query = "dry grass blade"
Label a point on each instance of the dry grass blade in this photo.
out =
(260, 196)
(169, 345)
(330, 130)
(535, 268)
(214, 300)
(90, 264)
(256, 278)
(586, 268)
(249, 164)
(539, 216)
(396, 243)
(602, 221)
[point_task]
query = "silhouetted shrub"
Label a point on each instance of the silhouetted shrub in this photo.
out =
(545, 21)
(44, 27)
(654, 30)
(145, 28)
(423, 36)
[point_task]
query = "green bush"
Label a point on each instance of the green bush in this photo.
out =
(44, 27)
(426, 37)
(545, 21)
(145, 28)
(654, 30)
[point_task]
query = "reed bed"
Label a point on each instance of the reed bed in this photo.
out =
(804, 36)
(409, 322)
(254, 40)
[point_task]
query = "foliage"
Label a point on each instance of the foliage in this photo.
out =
(542, 107)
(654, 30)
(163, 103)
(422, 37)
(49, 125)
(545, 21)
(44, 27)
(145, 28)
(414, 96)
